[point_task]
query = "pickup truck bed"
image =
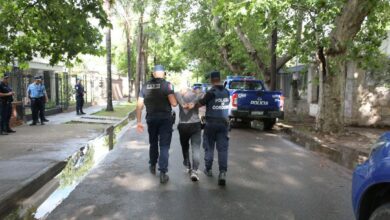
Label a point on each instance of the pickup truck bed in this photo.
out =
(250, 101)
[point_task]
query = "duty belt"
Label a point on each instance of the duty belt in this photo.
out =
(217, 120)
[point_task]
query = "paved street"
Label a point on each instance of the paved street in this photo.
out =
(269, 178)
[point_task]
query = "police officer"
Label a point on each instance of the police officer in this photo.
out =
(6, 99)
(158, 97)
(79, 97)
(36, 91)
(215, 134)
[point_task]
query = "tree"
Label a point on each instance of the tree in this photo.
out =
(125, 12)
(258, 25)
(57, 29)
(337, 32)
(110, 107)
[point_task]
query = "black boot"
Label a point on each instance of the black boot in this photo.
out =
(222, 178)
(152, 169)
(163, 178)
(9, 130)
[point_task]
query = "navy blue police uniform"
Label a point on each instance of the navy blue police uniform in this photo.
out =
(216, 129)
(6, 107)
(79, 98)
(159, 120)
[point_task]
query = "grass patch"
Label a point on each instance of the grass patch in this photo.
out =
(120, 111)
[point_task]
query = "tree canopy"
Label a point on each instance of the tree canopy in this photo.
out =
(57, 29)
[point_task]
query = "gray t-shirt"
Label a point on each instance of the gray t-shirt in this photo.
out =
(185, 115)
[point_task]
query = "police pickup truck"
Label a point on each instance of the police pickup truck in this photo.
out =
(251, 101)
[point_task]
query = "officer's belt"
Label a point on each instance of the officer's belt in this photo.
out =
(216, 120)
(158, 114)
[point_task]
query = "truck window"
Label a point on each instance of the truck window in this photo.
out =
(246, 85)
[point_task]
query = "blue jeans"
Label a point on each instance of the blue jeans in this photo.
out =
(190, 132)
(216, 135)
(160, 135)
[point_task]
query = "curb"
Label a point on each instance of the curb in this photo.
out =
(9, 200)
(341, 155)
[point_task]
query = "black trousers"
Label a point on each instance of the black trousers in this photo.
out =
(79, 105)
(42, 109)
(5, 115)
(37, 108)
(160, 136)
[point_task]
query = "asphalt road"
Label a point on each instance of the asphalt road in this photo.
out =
(268, 178)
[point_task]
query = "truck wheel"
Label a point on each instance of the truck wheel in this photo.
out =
(269, 123)
(381, 213)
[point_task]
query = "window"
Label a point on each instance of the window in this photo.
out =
(246, 85)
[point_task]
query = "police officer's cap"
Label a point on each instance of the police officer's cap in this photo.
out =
(6, 76)
(159, 68)
(215, 75)
(37, 78)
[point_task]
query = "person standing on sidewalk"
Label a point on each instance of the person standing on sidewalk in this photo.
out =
(216, 130)
(6, 99)
(79, 97)
(189, 129)
(35, 92)
(158, 97)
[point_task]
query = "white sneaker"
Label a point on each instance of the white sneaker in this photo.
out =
(194, 176)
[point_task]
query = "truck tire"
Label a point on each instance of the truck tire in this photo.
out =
(381, 213)
(269, 123)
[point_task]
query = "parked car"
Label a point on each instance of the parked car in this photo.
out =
(202, 86)
(371, 183)
(251, 101)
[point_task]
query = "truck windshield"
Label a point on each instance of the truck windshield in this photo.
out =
(246, 85)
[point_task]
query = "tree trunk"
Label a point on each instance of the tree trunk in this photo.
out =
(253, 54)
(330, 117)
(108, 48)
(145, 58)
(128, 50)
(139, 58)
(273, 68)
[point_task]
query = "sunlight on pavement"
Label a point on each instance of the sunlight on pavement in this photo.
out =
(136, 182)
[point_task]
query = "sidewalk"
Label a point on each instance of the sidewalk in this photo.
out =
(348, 148)
(35, 154)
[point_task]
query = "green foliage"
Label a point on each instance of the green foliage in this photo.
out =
(57, 29)
(120, 60)
(121, 111)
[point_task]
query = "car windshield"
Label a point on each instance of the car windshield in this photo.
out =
(246, 85)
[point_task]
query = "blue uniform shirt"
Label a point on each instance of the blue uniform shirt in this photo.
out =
(79, 91)
(5, 88)
(36, 90)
